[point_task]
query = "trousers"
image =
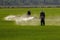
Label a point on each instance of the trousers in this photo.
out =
(42, 22)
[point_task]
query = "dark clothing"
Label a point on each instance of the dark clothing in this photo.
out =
(42, 17)
(29, 13)
(42, 22)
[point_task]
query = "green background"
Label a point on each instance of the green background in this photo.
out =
(10, 31)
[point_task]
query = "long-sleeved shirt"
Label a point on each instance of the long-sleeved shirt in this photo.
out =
(42, 15)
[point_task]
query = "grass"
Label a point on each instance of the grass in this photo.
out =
(13, 32)
(10, 31)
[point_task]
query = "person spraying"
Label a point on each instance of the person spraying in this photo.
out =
(29, 13)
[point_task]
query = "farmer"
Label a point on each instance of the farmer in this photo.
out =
(29, 13)
(42, 17)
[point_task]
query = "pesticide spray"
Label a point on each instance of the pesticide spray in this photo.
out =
(22, 20)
